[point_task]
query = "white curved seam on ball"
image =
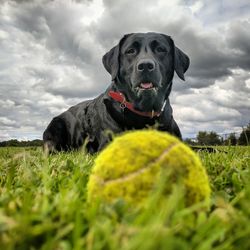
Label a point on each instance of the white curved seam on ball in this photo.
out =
(141, 170)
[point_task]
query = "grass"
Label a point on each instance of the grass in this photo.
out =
(43, 206)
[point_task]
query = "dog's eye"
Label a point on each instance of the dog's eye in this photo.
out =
(131, 51)
(161, 49)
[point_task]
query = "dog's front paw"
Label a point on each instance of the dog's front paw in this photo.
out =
(56, 136)
(49, 147)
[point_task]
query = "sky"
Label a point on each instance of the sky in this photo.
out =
(51, 58)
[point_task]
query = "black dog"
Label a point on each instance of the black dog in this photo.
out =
(142, 67)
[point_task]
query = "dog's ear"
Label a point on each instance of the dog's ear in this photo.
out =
(111, 59)
(181, 62)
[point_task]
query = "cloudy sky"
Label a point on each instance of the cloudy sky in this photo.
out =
(51, 51)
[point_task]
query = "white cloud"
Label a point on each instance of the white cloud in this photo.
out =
(196, 6)
(7, 122)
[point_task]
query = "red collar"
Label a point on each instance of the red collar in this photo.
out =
(118, 96)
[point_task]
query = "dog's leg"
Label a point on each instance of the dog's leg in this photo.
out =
(63, 133)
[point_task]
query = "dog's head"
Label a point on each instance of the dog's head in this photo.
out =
(142, 66)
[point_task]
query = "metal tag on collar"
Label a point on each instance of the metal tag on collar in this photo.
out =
(123, 105)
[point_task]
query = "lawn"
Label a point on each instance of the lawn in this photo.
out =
(43, 206)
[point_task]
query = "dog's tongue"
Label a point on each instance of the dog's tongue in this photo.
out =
(146, 85)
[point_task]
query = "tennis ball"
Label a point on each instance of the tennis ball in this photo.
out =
(129, 168)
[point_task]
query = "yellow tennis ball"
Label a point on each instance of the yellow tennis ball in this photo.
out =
(129, 168)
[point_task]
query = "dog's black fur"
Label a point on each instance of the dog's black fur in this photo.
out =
(138, 59)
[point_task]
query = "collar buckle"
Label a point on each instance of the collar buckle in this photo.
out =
(123, 105)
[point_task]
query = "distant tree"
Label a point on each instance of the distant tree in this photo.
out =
(36, 143)
(208, 138)
(3, 144)
(244, 138)
(190, 141)
(12, 143)
(231, 140)
(16, 143)
(214, 138)
(202, 138)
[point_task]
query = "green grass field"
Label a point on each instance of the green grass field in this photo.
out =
(43, 206)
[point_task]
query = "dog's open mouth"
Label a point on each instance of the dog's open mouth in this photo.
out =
(146, 86)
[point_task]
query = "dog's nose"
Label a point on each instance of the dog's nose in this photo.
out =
(146, 65)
